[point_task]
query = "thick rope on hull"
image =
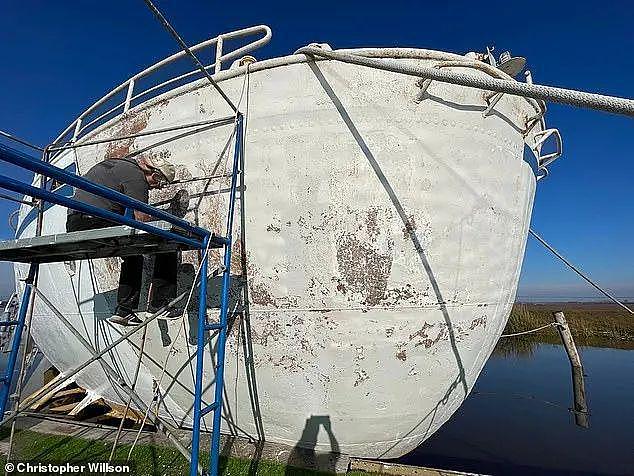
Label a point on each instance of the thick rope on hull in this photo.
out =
(571, 97)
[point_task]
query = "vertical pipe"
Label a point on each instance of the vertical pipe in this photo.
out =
(7, 378)
(218, 64)
(198, 387)
(77, 128)
(41, 204)
(224, 307)
(128, 97)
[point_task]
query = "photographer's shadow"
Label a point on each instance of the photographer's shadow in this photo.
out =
(304, 455)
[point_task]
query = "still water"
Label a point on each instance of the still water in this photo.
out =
(517, 420)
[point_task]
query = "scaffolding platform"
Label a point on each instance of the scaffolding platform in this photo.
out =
(129, 237)
(119, 240)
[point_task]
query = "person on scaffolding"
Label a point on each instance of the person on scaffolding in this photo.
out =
(134, 178)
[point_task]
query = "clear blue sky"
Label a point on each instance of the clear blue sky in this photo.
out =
(59, 57)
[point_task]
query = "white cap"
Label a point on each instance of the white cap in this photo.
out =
(167, 169)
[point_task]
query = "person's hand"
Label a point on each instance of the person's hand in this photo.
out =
(179, 203)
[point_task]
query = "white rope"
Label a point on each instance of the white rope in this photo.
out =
(552, 324)
(613, 104)
(578, 271)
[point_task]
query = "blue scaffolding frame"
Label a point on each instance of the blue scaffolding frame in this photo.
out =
(192, 236)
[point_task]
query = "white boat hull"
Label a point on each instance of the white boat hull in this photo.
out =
(383, 246)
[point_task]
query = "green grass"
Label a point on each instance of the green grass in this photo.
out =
(148, 460)
(592, 324)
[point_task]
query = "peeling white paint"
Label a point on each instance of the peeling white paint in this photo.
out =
(384, 241)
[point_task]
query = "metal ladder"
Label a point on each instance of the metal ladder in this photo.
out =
(32, 251)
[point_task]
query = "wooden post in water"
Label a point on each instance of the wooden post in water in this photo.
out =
(578, 386)
(566, 338)
(582, 415)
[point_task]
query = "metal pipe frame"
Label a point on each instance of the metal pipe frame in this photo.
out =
(170, 59)
(66, 377)
(48, 170)
(220, 122)
(16, 186)
(224, 309)
(21, 160)
(7, 377)
(200, 347)
(116, 376)
(204, 240)
(216, 406)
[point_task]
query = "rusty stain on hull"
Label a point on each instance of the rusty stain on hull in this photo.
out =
(365, 269)
(132, 123)
(401, 355)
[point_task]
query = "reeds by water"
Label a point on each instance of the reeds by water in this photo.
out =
(592, 324)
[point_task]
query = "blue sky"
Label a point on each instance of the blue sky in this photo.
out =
(59, 57)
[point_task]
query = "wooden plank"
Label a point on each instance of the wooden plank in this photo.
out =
(118, 411)
(54, 385)
(64, 408)
(69, 393)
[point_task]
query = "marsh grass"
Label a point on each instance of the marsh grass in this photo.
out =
(592, 324)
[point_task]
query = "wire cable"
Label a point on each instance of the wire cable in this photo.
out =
(17, 200)
(189, 52)
(552, 324)
(578, 271)
(129, 402)
(20, 141)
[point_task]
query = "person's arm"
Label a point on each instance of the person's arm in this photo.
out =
(138, 188)
(143, 216)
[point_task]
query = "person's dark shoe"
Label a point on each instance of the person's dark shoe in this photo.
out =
(125, 319)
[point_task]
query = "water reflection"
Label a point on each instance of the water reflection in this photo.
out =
(520, 420)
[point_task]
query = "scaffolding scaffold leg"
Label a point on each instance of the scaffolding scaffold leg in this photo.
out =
(7, 378)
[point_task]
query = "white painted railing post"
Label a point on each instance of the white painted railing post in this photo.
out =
(218, 55)
(128, 97)
(77, 128)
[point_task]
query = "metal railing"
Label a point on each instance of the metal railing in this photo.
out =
(82, 125)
